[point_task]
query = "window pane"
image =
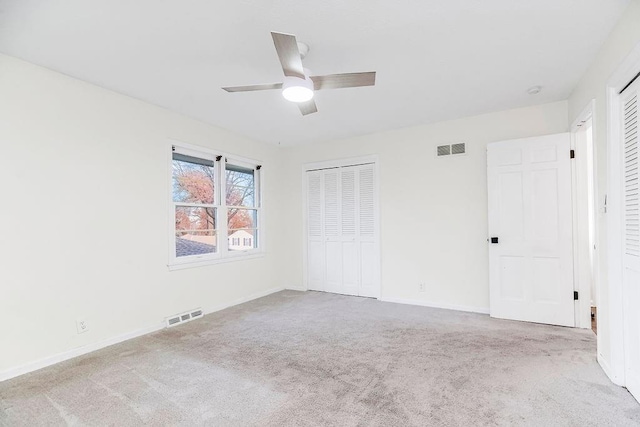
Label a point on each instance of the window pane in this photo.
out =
(242, 240)
(242, 225)
(240, 186)
(238, 218)
(195, 231)
(192, 179)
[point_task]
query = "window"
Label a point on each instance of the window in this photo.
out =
(206, 187)
(242, 212)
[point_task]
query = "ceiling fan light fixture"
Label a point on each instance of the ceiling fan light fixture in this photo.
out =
(295, 89)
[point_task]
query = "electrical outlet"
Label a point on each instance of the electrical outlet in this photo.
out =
(422, 287)
(82, 325)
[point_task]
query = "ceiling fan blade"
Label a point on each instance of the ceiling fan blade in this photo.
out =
(337, 81)
(253, 87)
(289, 55)
(308, 107)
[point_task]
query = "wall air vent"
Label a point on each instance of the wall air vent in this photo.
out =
(451, 150)
(457, 148)
(444, 150)
(184, 317)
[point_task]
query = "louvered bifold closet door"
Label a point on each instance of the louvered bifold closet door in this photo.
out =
(342, 231)
(631, 239)
(332, 230)
(349, 234)
(315, 232)
(367, 232)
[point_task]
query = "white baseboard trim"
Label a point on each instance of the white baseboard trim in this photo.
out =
(61, 357)
(66, 355)
(469, 309)
(296, 288)
(604, 364)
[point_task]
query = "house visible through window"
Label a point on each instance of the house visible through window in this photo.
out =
(205, 187)
(242, 212)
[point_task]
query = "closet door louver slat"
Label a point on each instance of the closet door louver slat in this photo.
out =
(348, 194)
(630, 159)
(367, 208)
(331, 206)
(314, 201)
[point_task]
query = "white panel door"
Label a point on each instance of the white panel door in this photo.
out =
(631, 240)
(342, 241)
(531, 264)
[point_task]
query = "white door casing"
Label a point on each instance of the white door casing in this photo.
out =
(342, 238)
(585, 217)
(530, 212)
(630, 109)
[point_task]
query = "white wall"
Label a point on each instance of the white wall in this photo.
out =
(83, 224)
(440, 202)
(619, 44)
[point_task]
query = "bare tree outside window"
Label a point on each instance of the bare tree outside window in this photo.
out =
(195, 215)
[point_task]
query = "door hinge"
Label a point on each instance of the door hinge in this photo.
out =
(572, 154)
(575, 295)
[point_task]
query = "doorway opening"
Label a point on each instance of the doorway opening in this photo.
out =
(585, 221)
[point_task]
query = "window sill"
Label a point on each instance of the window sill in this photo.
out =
(207, 262)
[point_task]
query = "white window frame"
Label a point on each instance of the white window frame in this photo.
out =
(222, 254)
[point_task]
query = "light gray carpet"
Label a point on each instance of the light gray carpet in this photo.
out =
(298, 359)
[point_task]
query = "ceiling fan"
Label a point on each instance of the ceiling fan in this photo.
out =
(298, 85)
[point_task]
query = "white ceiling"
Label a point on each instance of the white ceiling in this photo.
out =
(435, 59)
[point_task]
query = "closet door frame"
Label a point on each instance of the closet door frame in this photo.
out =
(612, 208)
(338, 163)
